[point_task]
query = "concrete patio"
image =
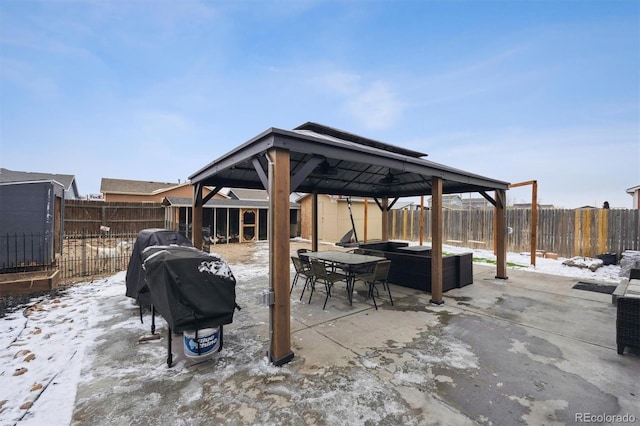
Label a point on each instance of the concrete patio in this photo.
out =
(527, 350)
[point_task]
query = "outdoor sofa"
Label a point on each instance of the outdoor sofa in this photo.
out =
(628, 314)
(413, 268)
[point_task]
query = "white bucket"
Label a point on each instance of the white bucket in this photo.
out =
(209, 339)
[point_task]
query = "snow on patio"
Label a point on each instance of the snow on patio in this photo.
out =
(48, 344)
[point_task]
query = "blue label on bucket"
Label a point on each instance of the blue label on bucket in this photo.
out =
(207, 338)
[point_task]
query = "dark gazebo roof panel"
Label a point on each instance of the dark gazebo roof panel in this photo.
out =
(351, 166)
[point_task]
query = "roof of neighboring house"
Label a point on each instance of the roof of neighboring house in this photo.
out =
(403, 205)
(137, 187)
(67, 181)
(633, 189)
(216, 202)
(248, 194)
(450, 196)
(475, 200)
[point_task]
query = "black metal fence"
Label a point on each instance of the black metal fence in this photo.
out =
(21, 252)
(81, 255)
(95, 254)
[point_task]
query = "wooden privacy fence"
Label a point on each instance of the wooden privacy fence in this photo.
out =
(580, 232)
(121, 217)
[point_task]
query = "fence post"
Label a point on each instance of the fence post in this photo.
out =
(83, 250)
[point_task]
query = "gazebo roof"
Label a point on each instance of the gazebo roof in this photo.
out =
(331, 161)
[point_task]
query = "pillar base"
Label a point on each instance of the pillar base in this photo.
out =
(434, 302)
(502, 278)
(282, 360)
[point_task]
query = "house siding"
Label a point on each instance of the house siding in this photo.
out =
(334, 220)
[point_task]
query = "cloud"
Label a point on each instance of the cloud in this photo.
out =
(341, 83)
(24, 75)
(374, 105)
(574, 165)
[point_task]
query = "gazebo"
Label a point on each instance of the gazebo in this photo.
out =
(317, 159)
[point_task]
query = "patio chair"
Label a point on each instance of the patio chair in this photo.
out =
(328, 278)
(378, 275)
(302, 268)
(301, 254)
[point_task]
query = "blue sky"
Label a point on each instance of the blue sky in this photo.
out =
(155, 90)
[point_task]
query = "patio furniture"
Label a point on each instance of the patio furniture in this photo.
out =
(302, 268)
(415, 249)
(356, 251)
(351, 263)
(377, 253)
(412, 267)
(301, 254)
(628, 315)
(379, 274)
(328, 278)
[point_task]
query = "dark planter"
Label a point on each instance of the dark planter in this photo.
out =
(608, 258)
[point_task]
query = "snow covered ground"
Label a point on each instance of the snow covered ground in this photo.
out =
(46, 345)
(604, 274)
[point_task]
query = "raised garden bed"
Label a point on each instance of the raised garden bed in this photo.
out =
(21, 283)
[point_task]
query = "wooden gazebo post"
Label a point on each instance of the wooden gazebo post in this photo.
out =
(421, 219)
(196, 222)
(314, 221)
(436, 241)
(501, 234)
(385, 218)
(279, 269)
(534, 215)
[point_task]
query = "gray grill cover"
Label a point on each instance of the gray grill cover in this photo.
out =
(136, 285)
(191, 289)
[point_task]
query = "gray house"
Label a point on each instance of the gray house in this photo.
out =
(68, 182)
(31, 217)
(31, 220)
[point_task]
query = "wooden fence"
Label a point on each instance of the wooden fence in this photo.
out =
(581, 232)
(84, 216)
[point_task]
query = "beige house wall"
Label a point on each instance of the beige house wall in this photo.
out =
(306, 217)
(334, 220)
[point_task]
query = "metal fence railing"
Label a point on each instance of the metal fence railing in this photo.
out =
(95, 254)
(21, 252)
(81, 255)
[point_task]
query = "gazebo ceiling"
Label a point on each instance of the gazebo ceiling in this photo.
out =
(331, 161)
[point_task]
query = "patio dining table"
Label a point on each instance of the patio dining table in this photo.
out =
(349, 262)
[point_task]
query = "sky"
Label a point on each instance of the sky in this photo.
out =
(155, 90)
(51, 347)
